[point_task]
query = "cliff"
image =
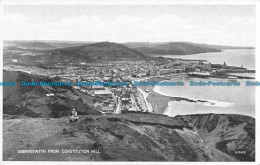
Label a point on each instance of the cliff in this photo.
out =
(232, 134)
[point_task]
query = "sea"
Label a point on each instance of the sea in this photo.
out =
(232, 57)
(213, 99)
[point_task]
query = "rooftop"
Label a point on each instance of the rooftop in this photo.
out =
(100, 92)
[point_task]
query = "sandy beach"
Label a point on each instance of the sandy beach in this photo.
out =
(187, 100)
(157, 101)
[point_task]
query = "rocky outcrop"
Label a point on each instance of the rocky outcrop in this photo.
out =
(229, 133)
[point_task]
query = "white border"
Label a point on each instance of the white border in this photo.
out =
(1, 79)
(128, 2)
(257, 98)
(140, 2)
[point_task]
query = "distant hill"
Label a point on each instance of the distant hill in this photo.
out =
(52, 52)
(28, 45)
(64, 44)
(101, 52)
(177, 48)
(42, 45)
(97, 52)
(158, 48)
(107, 50)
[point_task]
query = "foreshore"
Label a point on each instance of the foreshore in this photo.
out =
(158, 102)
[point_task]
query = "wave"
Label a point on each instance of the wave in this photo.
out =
(169, 109)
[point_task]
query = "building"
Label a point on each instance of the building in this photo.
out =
(103, 93)
(98, 87)
(219, 72)
(108, 110)
(189, 69)
(224, 65)
(50, 94)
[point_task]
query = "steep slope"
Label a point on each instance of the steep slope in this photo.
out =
(32, 100)
(125, 137)
(231, 134)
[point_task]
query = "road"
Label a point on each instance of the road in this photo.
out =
(118, 108)
(144, 96)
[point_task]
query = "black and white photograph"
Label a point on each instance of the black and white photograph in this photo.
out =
(129, 82)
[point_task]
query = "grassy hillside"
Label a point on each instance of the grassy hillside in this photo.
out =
(130, 137)
(32, 101)
(125, 137)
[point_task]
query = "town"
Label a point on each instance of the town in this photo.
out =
(122, 97)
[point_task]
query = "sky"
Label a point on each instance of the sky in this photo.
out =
(212, 24)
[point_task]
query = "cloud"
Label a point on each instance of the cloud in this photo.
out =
(126, 27)
(243, 22)
(13, 18)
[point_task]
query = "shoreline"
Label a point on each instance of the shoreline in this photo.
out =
(162, 102)
(194, 100)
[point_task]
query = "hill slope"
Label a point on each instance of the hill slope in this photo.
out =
(125, 137)
(133, 137)
(32, 101)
